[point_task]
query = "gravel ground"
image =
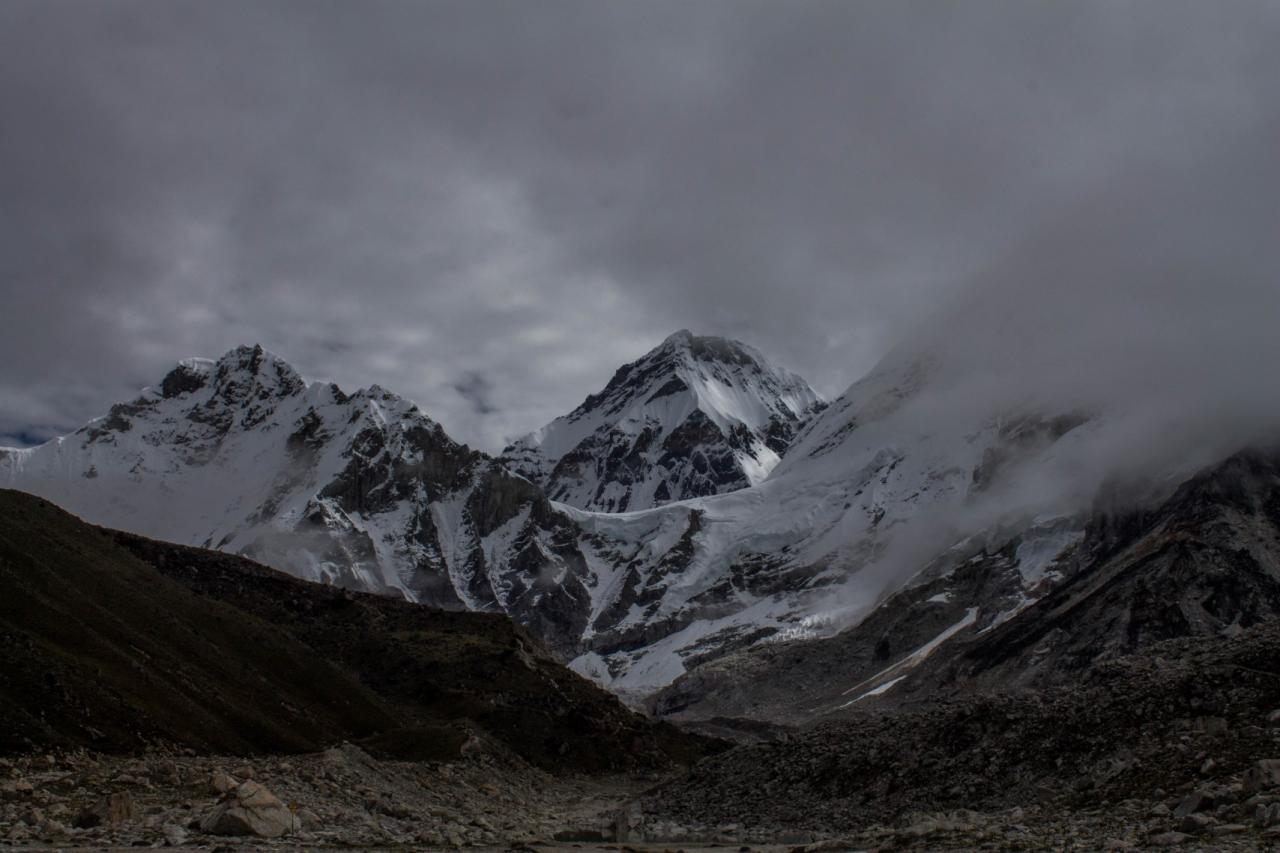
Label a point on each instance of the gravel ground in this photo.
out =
(1178, 746)
(338, 798)
(344, 799)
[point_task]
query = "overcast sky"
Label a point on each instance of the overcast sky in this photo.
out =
(489, 206)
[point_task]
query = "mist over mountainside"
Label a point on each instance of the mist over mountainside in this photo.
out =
(1006, 413)
(696, 416)
(1203, 563)
(901, 474)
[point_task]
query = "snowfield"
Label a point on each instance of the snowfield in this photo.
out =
(365, 490)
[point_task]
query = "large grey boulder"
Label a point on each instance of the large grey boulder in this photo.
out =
(250, 809)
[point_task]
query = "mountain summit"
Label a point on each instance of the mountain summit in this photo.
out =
(361, 490)
(898, 484)
(695, 416)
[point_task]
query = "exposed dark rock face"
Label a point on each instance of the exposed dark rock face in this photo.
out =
(183, 379)
(697, 416)
(1204, 563)
(643, 592)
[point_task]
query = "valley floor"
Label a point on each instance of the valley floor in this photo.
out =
(344, 799)
(338, 798)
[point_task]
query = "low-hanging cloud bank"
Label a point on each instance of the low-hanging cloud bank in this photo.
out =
(1154, 301)
(1147, 310)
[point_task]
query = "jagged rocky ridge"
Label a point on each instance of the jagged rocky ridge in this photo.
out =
(878, 494)
(362, 490)
(696, 416)
(365, 490)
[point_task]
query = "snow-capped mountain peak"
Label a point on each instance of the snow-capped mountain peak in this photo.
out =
(697, 415)
(241, 389)
(362, 489)
(365, 490)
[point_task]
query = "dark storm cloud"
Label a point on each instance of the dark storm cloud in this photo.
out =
(422, 194)
(478, 391)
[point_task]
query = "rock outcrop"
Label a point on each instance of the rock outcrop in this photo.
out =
(696, 416)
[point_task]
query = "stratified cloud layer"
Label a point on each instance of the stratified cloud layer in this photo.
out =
(488, 206)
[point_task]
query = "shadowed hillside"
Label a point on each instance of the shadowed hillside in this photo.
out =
(113, 641)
